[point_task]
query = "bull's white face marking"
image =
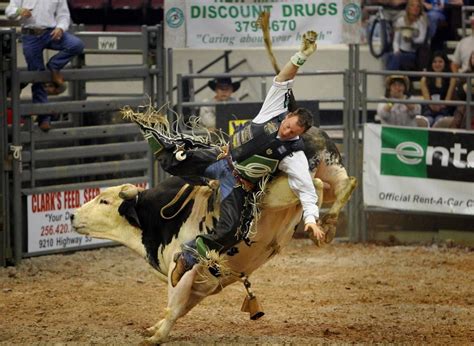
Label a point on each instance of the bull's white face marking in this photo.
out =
(99, 218)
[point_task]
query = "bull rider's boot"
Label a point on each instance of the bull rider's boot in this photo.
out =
(184, 262)
(157, 141)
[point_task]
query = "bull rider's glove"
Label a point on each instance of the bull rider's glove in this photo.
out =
(308, 47)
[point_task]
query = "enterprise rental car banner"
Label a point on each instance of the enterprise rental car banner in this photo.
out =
(419, 169)
(232, 24)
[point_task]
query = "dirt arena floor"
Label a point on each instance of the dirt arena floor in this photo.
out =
(341, 293)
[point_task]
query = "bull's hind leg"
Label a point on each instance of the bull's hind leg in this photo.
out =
(343, 195)
(179, 303)
(329, 221)
(319, 187)
(342, 187)
(181, 299)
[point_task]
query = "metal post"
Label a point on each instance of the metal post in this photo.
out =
(263, 88)
(160, 65)
(16, 163)
(362, 213)
(160, 56)
(349, 152)
(179, 102)
(468, 103)
(345, 117)
(147, 81)
(357, 160)
(4, 219)
(170, 76)
(148, 87)
(191, 81)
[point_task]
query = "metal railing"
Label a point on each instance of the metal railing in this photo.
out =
(71, 155)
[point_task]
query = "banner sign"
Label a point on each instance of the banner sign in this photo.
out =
(233, 24)
(419, 169)
(49, 220)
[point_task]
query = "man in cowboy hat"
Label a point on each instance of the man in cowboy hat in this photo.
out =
(223, 87)
(397, 87)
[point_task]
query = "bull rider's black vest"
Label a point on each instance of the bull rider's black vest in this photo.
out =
(257, 151)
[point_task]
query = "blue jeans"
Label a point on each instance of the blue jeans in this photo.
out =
(68, 46)
(221, 171)
(434, 16)
(401, 61)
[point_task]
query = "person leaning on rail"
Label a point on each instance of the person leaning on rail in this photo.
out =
(44, 25)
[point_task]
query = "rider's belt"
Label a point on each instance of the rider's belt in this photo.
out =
(246, 185)
(34, 31)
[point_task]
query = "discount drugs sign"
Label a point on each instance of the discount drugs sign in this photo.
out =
(233, 24)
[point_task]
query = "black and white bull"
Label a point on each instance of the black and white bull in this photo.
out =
(157, 221)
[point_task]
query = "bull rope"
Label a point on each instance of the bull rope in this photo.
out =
(175, 199)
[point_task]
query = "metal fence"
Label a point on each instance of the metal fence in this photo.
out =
(80, 151)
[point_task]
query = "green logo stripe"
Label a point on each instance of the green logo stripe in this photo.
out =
(403, 152)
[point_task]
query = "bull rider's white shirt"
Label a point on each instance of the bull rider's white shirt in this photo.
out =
(295, 165)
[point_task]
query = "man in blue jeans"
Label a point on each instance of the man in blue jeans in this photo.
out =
(43, 26)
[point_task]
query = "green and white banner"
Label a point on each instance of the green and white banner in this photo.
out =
(419, 169)
(232, 24)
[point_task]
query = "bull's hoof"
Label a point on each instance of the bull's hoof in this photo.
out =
(329, 224)
(153, 341)
(150, 331)
(330, 233)
(315, 240)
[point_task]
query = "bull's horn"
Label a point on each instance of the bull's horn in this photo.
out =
(128, 191)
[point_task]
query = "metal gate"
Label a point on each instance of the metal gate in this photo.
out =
(83, 150)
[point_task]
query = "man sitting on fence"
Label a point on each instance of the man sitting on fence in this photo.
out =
(44, 26)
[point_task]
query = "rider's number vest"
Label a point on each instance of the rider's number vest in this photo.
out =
(256, 150)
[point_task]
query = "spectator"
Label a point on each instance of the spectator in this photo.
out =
(435, 12)
(44, 26)
(461, 85)
(397, 87)
(459, 119)
(437, 88)
(463, 51)
(410, 32)
(223, 87)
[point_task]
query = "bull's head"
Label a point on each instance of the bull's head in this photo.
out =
(100, 217)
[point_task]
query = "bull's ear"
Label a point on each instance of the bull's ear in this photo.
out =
(128, 191)
(127, 210)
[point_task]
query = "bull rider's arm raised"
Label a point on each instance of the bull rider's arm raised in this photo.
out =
(308, 47)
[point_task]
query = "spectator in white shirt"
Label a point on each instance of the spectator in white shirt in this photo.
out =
(44, 25)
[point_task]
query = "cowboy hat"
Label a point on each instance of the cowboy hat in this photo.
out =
(223, 81)
(397, 78)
